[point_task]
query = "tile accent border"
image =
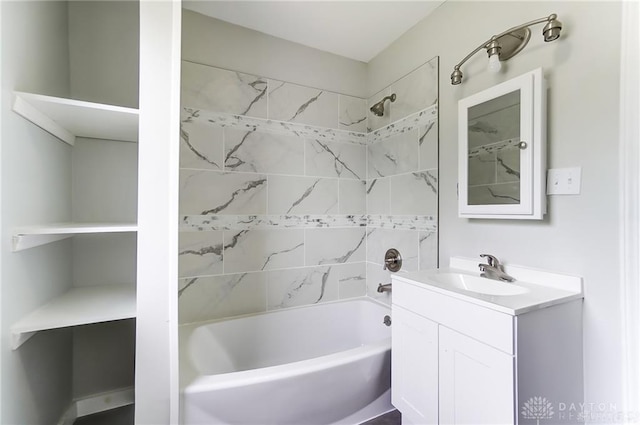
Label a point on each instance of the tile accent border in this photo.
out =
(424, 117)
(272, 126)
(424, 223)
(199, 223)
(196, 223)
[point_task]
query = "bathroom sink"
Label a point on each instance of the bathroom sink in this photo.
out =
(532, 289)
(478, 284)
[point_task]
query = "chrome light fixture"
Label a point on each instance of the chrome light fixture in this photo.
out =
(509, 43)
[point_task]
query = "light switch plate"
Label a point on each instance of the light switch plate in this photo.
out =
(564, 181)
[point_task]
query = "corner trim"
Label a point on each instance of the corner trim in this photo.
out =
(629, 165)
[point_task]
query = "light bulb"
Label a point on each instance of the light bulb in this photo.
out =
(494, 63)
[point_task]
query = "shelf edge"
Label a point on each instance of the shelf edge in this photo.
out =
(22, 330)
(105, 401)
(19, 338)
(25, 238)
(22, 242)
(26, 110)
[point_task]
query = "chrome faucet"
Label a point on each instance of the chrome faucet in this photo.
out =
(384, 288)
(493, 269)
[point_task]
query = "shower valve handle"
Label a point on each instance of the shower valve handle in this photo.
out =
(392, 260)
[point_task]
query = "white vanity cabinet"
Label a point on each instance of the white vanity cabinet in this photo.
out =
(476, 381)
(414, 352)
(455, 361)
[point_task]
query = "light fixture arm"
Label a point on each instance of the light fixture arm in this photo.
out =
(511, 31)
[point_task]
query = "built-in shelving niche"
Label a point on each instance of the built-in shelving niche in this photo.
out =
(68, 119)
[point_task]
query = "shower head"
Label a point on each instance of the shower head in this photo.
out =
(378, 108)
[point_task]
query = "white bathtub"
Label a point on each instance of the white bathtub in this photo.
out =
(319, 365)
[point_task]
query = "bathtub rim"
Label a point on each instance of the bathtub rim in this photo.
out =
(269, 312)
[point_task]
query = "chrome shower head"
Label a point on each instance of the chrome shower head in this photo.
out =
(378, 108)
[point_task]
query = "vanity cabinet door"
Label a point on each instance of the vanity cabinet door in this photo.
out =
(476, 382)
(414, 365)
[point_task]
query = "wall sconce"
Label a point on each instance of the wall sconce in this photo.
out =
(509, 43)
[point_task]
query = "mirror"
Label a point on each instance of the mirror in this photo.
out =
(502, 150)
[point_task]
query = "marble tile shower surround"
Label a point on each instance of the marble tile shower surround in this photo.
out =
(416, 91)
(278, 204)
(214, 89)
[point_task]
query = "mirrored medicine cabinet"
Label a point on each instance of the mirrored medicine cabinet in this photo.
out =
(502, 150)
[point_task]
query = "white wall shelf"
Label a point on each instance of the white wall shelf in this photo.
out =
(79, 306)
(67, 118)
(32, 236)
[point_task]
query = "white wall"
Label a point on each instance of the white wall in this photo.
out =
(213, 42)
(580, 233)
(36, 175)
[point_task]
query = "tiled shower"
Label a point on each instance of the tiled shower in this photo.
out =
(290, 195)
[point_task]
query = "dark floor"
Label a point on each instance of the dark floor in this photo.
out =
(391, 418)
(121, 416)
(124, 416)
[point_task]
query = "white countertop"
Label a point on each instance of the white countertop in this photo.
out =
(544, 288)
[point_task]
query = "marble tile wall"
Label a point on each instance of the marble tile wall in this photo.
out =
(402, 177)
(272, 195)
(402, 196)
(415, 91)
(278, 204)
(219, 90)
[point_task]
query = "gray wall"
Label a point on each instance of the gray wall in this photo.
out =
(103, 67)
(36, 177)
(580, 233)
(104, 189)
(103, 49)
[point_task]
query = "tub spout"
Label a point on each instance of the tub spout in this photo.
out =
(384, 288)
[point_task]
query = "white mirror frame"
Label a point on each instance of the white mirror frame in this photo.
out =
(533, 131)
